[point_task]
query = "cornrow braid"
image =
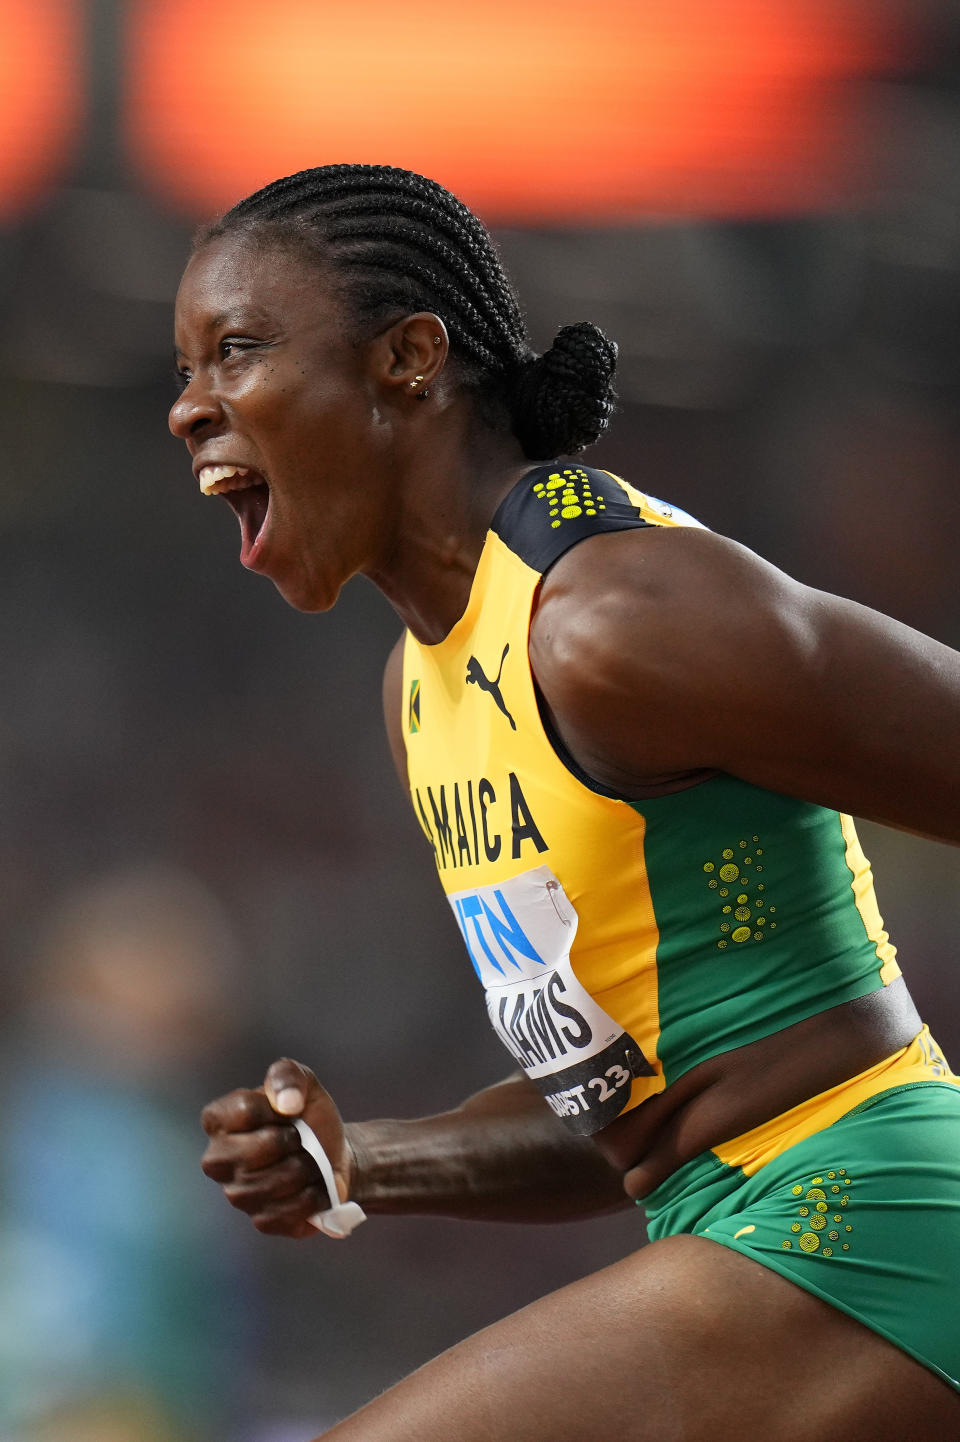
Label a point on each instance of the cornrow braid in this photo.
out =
(399, 242)
(414, 272)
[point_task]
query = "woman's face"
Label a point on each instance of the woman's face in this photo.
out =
(274, 387)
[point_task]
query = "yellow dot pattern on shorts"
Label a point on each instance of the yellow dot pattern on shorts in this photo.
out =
(569, 495)
(814, 1221)
(738, 873)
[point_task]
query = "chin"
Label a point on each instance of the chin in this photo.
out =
(306, 594)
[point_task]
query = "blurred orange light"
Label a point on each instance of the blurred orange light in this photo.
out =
(40, 95)
(530, 109)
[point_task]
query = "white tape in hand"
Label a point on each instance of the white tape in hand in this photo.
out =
(343, 1217)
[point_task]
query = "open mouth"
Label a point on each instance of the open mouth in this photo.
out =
(249, 496)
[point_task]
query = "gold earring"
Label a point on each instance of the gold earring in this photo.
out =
(415, 382)
(437, 340)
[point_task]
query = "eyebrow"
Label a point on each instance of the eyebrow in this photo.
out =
(238, 316)
(230, 318)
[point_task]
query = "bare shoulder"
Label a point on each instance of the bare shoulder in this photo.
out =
(392, 704)
(663, 652)
(676, 583)
(635, 630)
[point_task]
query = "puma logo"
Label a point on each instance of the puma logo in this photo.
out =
(476, 677)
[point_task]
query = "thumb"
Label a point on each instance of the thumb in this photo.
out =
(288, 1085)
(657, 1164)
(292, 1090)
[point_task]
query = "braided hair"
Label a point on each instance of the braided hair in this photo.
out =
(397, 243)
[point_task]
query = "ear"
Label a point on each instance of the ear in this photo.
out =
(414, 352)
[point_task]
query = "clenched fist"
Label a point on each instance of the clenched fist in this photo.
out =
(255, 1153)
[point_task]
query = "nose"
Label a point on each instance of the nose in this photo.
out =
(194, 409)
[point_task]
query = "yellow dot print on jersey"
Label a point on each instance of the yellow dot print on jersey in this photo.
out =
(819, 1228)
(736, 873)
(569, 495)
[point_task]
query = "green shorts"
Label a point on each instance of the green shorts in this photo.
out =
(865, 1214)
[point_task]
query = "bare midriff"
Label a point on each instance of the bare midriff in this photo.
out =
(730, 1094)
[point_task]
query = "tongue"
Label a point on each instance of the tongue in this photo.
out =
(251, 505)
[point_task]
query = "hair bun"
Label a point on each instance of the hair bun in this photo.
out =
(565, 397)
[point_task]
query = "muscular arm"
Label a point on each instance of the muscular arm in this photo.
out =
(663, 652)
(501, 1156)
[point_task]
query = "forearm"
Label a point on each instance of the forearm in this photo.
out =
(500, 1156)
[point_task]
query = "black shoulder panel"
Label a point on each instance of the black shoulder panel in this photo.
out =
(554, 507)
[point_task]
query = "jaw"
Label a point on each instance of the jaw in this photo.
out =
(311, 527)
(305, 556)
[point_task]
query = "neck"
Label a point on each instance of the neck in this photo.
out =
(452, 489)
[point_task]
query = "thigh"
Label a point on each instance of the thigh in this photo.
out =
(684, 1341)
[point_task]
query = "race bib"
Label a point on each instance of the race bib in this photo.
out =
(518, 934)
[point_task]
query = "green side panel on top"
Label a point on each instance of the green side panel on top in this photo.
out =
(759, 926)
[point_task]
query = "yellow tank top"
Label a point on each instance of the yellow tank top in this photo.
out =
(619, 943)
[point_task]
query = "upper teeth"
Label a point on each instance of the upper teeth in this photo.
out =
(216, 479)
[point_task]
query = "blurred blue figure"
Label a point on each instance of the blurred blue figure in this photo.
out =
(122, 1314)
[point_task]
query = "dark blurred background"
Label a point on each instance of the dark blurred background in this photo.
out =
(205, 860)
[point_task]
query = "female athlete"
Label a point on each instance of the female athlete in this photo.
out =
(645, 841)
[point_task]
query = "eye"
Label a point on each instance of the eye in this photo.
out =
(181, 379)
(233, 345)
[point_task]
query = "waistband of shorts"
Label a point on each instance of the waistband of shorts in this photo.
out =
(919, 1063)
(921, 1060)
